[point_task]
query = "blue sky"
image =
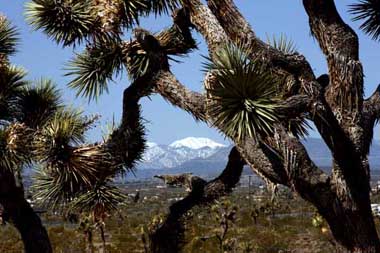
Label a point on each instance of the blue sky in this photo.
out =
(44, 58)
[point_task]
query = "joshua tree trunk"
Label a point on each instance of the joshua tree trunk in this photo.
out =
(18, 211)
(353, 229)
(102, 235)
(89, 241)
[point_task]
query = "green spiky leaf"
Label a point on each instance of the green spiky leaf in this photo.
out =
(53, 190)
(282, 44)
(8, 161)
(15, 146)
(138, 64)
(72, 171)
(369, 12)
(67, 169)
(127, 145)
(11, 85)
(95, 68)
(8, 37)
(39, 103)
(131, 10)
(101, 199)
(298, 127)
(160, 7)
(243, 97)
(65, 21)
(65, 128)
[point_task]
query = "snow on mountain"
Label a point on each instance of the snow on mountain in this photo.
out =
(196, 143)
(163, 156)
(151, 144)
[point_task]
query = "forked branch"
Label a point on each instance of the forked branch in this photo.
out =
(169, 236)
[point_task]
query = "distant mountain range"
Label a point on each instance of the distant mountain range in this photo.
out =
(179, 152)
(205, 157)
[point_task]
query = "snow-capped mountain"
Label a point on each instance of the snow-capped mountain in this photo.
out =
(169, 156)
(195, 153)
(196, 143)
(208, 161)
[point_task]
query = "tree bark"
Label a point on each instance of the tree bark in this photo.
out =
(18, 211)
(168, 238)
(103, 237)
(89, 241)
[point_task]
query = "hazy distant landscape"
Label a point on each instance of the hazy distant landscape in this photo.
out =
(207, 158)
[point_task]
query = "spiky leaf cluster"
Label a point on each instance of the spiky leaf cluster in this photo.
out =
(65, 21)
(8, 37)
(94, 68)
(127, 145)
(150, 51)
(54, 191)
(282, 43)
(131, 10)
(63, 180)
(160, 7)
(100, 200)
(243, 97)
(12, 82)
(67, 168)
(59, 134)
(369, 12)
(72, 21)
(39, 103)
(138, 63)
(298, 127)
(142, 55)
(15, 146)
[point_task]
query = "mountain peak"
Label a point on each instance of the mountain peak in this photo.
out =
(151, 144)
(196, 143)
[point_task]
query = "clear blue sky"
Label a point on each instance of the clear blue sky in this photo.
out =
(43, 58)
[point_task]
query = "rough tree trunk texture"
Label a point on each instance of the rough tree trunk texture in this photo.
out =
(19, 213)
(89, 242)
(169, 237)
(335, 104)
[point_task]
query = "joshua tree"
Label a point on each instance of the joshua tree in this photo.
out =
(258, 94)
(37, 130)
(18, 118)
(96, 205)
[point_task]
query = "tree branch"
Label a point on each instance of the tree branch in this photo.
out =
(370, 117)
(206, 24)
(372, 104)
(167, 85)
(18, 211)
(333, 35)
(240, 31)
(170, 234)
(341, 46)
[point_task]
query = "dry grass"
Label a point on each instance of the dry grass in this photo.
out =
(273, 232)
